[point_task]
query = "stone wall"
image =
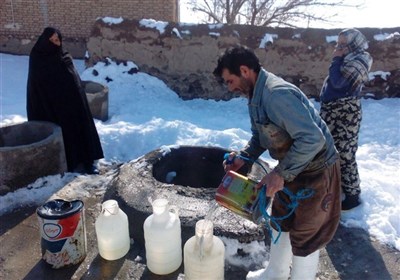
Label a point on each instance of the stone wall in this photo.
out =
(184, 56)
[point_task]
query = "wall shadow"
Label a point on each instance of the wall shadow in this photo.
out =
(354, 256)
(12, 219)
(103, 269)
(42, 270)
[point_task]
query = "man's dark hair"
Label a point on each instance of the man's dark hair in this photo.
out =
(235, 57)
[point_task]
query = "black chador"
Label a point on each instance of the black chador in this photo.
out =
(55, 94)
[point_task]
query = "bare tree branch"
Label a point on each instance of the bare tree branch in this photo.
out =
(266, 12)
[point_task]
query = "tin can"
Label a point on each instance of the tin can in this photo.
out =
(63, 232)
(240, 195)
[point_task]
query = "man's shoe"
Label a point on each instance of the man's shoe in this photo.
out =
(350, 202)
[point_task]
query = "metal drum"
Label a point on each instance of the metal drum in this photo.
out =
(63, 232)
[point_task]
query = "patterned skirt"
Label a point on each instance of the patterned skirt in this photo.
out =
(343, 117)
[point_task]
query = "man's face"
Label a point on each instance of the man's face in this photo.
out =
(237, 83)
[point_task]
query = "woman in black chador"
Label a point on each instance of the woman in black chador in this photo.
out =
(55, 94)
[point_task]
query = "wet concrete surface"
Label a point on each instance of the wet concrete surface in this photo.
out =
(20, 252)
(352, 254)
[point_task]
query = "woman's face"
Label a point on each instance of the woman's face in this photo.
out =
(55, 39)
(342, 44)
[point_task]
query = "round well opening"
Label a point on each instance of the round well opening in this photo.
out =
(188, 177)
(25, 133)
(97, 97)
(197, 167)
(28, 151)
(92, 87)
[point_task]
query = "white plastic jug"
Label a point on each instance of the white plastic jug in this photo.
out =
(204, 254)
(112, 231)
(162, 235)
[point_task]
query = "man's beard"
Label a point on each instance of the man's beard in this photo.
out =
(247, 87)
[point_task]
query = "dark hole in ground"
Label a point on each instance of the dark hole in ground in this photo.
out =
(198, 167)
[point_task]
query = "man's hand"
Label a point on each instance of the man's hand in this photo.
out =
(232, 162)
(274, 183)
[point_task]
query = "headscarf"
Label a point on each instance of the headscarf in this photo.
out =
(44, 46)
(357, 62)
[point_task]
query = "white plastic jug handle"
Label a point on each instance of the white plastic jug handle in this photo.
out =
(110, 206)
(174, 209)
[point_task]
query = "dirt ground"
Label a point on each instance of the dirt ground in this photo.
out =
(352, 254)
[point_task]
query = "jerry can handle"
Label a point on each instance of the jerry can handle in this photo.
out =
(174, 209)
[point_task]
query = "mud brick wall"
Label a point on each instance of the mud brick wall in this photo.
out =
(184, 56)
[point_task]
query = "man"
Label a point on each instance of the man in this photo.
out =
(341, 106)
(284, 122)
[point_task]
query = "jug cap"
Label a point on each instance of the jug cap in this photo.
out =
(204, 227)
(59, 208)
(160, 205)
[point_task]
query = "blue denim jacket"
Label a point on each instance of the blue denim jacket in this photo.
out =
(284, 122)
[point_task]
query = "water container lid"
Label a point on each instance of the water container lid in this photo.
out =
(59, 208)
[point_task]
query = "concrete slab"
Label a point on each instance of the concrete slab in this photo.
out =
(352, 254)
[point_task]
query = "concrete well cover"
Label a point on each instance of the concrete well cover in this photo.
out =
(196, 174)
(28, 151)
(97, 96)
